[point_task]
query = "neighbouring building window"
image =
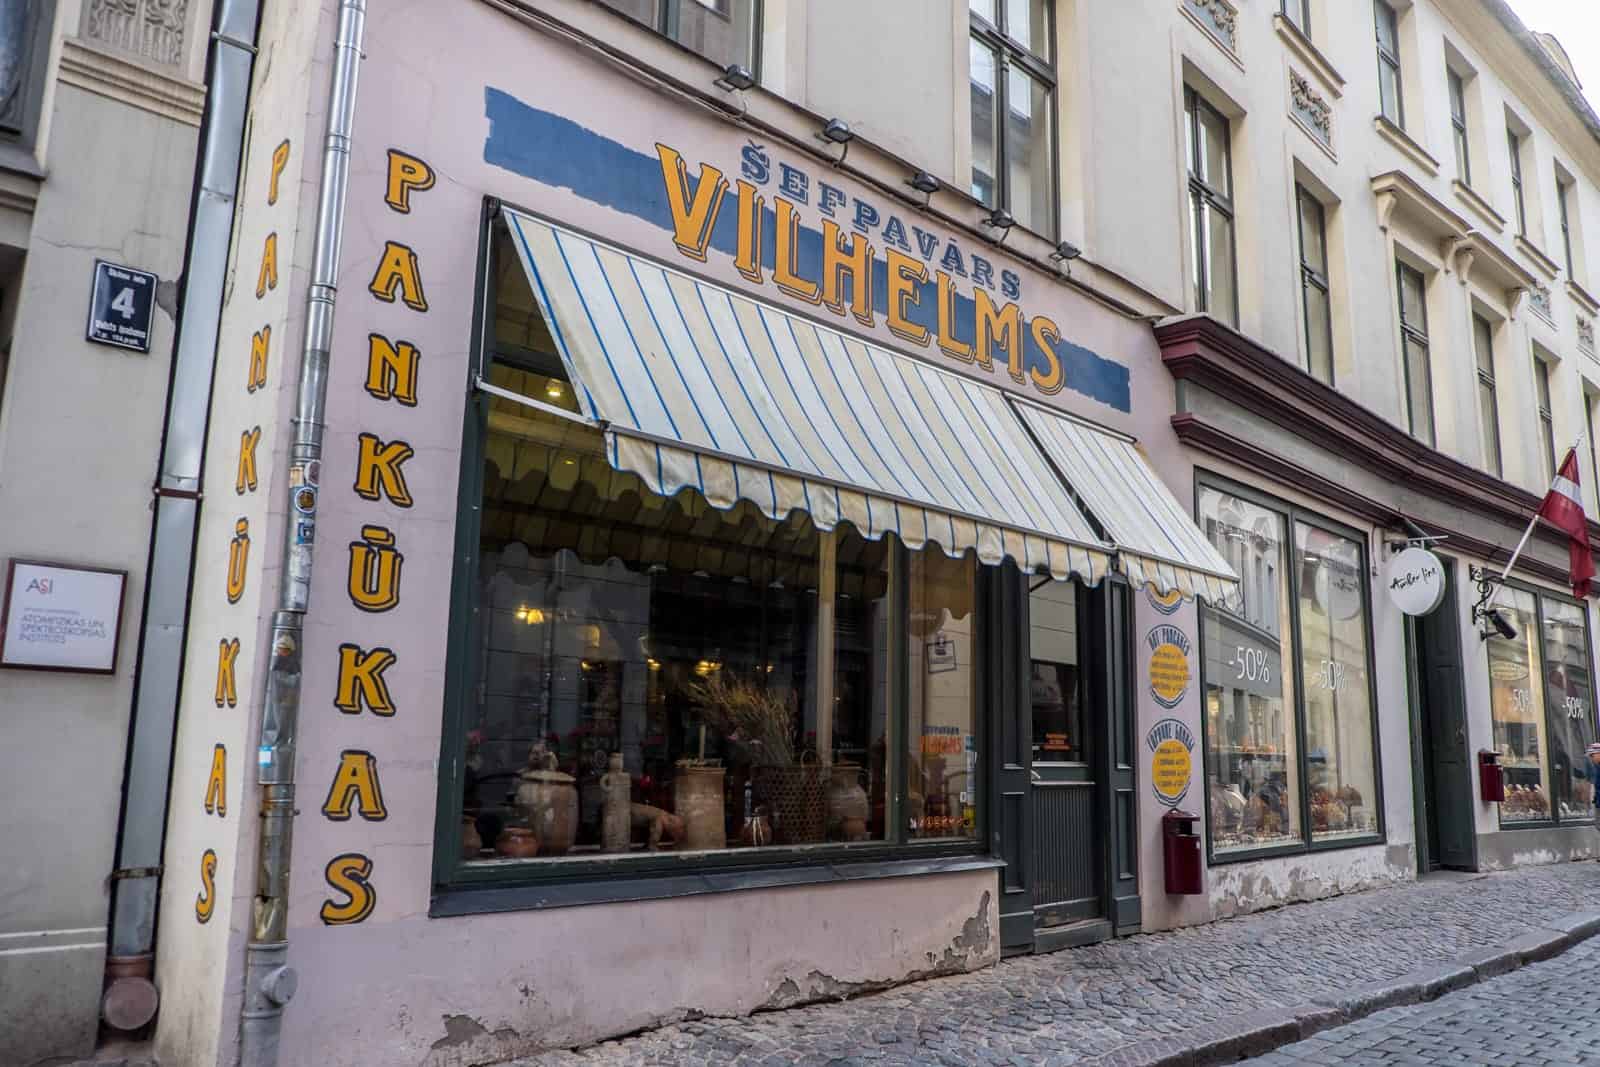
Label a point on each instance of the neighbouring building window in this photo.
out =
(1286, 768)
(1013, 86)
(1299, 13)
(1569, 689)
(723, 31)
(1211, 209)
(1458, 123)
(1541, 697)
(1514, 145)
(1547, 420)
(1488, 404)
(1414, 351)
(1314, 285)
(1389, 100)
(640, 678)
(1516, 702)
(1340, 751)
(1562, 189)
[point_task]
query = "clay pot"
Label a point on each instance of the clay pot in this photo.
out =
(517, 843)
(471, 840)
(757, 832)
(549, 799)
(698, 800)
(847, 802)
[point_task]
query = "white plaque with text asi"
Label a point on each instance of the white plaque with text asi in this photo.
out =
(62, 618)
(1415, 580)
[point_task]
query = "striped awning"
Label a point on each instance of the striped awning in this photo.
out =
(1156, 541)
(700, 387)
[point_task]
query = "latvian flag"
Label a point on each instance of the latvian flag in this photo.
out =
(1563, 509)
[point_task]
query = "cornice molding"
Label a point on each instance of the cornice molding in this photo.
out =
(131, 82)
(1204, 437)
(1201, 350)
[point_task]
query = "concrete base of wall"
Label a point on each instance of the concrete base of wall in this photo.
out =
(1242, 888)
(1522, 848)
(50, 985)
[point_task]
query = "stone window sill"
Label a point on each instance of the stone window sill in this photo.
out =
(1308, 54)
(1480, 207)
(1408, 148)
(1583, 298)
(1547, 266)
(491, 898)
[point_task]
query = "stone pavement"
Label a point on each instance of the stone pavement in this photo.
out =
(1542, 1016)
(1203, 994)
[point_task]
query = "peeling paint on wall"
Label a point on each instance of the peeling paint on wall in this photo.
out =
(1250, 887)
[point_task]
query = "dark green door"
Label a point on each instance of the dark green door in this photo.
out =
(1446, 836)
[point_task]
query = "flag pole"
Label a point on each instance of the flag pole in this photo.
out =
(1512, 562)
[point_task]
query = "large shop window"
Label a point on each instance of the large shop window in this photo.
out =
(645, 677)
(1290, 729)
(1542, 700)
(724, 31)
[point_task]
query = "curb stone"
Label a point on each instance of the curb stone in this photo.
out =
(1258, 1032)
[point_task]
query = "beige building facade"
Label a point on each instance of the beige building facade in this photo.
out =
(718, 504)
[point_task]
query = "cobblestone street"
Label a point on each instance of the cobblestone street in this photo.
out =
(1145, 999)
(1541, 1016)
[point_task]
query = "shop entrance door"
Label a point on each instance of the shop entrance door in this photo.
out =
(1066, 799)
(1446, 837)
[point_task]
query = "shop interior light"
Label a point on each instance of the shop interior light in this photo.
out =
(531, 616)
(735, 77)
(553, 390)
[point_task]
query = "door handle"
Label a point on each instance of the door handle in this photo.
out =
(1037, 777)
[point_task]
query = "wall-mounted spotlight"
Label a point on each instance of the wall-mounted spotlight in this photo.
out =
(1000, 219)
(924, 183)
(837, 131)
(735, 77)
(1066, 252)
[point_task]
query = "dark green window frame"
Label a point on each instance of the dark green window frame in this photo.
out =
(461, 888)
(1514, 145)
(1291, 515)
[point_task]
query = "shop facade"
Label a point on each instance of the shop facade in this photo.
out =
(1343, 740)
(727, 571)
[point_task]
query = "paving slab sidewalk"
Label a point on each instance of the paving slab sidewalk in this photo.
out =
(1208, 994)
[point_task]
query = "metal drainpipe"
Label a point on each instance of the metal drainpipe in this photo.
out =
(269, 983)
(130, 1000)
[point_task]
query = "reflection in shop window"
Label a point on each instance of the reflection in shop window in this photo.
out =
(1252, 768)
(1340, 756)
(1516, 700)
(1056, 681)
(1570, 690)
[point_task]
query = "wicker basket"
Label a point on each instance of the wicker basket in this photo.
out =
(797, 796)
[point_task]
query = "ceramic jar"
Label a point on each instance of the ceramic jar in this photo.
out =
(697, 799)
(847, 802)
(549, 799)
(517, 843)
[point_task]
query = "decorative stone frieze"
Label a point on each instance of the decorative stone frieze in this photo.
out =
(152, 30)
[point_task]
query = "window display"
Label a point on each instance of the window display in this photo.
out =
(1516, 701)
(650, 676)
(1340, 763)
(1252, 767)
(1570, 695)
(942, 787)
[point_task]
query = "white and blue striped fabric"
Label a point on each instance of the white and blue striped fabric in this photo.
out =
(700, 387)
(1156, 540)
